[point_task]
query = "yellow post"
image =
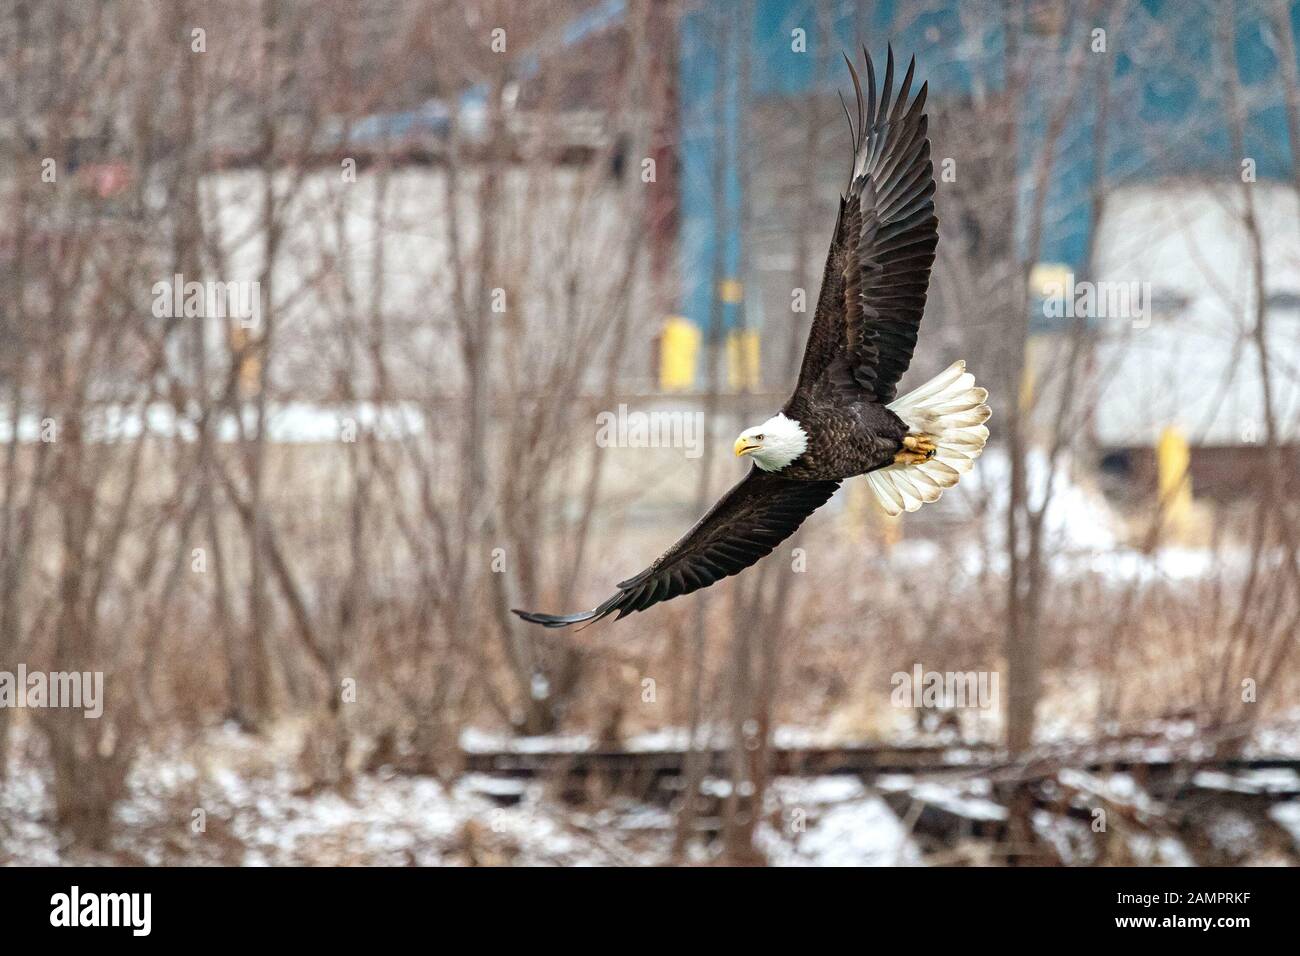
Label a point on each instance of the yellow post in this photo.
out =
(1050, 286)
(731, 290)
(1049, 279)
(250, 364)
(742, 344)
(679, 344)
(742, 360)
(1027, 374)
(1174, 479)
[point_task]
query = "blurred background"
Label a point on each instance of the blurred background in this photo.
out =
(332, 331)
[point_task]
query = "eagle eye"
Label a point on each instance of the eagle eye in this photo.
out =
(758, 438)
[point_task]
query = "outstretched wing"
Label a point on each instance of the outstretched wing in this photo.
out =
(874, 288)
(751, 519)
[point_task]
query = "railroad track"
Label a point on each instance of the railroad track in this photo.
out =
(862, 761)
(949, 796)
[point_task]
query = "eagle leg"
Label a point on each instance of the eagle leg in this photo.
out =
(916, 449)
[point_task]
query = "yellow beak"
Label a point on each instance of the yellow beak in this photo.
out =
(742, 447)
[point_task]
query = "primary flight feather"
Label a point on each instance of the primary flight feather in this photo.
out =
(843, 419)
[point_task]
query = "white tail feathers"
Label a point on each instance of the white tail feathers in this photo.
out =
(950, 411)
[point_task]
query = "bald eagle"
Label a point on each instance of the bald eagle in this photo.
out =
(843, 419)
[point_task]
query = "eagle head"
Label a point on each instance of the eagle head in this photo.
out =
(773, 444)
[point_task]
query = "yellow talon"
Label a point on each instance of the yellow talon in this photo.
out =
(921, 446)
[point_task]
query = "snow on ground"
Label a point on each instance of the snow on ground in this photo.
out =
(1083, 533)
(1078, 518)
(226, 803)
(22, 824)
(474, 740)
(1071, 839)
(1116, 788)
(1280, 738)
(1287, 815)
(833, 821)
(232, 799)
(967, 798)
(1148, 850)
(1264, 780)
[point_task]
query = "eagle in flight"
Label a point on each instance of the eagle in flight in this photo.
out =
(843, 419)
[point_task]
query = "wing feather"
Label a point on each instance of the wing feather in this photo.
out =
(878, 270)
(746, 524)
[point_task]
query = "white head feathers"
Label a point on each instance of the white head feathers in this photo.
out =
(773, 444)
